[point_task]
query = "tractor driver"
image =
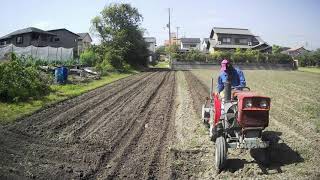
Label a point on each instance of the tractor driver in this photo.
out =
(234, 75)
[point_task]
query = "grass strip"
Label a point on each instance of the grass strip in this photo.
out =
(310, 69)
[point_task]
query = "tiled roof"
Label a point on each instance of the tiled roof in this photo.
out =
(26, 30)
(150, 39)
(241, 31)
(63, 29)
(190, 40)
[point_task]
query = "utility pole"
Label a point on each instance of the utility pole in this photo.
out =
(169, 26)
(177, 34)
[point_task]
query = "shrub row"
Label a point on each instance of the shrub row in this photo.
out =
(248, 56)
(310, 58)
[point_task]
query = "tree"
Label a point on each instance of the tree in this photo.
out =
(119, 30)
(161, 50)
(276, 49)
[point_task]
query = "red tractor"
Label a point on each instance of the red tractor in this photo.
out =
(236, 121)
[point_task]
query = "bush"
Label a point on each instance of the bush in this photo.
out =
(88, 58)
(250, 56)
(19, 82)
(310, 58)
(278, 58)
(195, 55)
(220, 55)
(113, 61)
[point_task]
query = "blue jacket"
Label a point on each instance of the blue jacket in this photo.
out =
(238, 79)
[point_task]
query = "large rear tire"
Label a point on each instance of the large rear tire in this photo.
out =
(221, 153)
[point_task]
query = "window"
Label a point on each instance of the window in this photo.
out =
(19, 40)
(51, 39)
(56, 39)
(3, 42)
(226, 40)
(242, 41)
(193, 45)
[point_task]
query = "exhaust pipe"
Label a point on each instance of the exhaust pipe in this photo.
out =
(227, 91)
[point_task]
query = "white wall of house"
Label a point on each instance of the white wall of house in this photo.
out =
(189, 46)
(152, 46)
(203, 46)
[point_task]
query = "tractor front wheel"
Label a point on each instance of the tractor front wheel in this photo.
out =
(221, 153)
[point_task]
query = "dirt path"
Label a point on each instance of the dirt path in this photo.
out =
(121, 131)
(192, 152)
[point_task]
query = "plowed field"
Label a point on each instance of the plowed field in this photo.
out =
(147, 126)
(119, 130)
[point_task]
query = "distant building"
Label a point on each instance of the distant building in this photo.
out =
(204, 44)
(54, 38)
(187, 44)
(27, 37)
(226, 39)
(295, 51)
(174, 40)
(151, 45)
(65, 38)
(84, 42)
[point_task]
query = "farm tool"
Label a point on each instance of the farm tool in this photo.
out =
(236, 121)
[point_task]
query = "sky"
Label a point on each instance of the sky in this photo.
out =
(289, 23)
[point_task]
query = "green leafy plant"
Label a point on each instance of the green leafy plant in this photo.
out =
(88, 58)
(19, 82)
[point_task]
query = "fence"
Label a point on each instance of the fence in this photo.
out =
(44, 53)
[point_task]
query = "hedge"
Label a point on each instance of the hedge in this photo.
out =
(248, 56)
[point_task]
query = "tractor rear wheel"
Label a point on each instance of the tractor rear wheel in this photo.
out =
(221, 153)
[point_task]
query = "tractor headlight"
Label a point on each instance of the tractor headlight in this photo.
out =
(248, 103)
(263, 104)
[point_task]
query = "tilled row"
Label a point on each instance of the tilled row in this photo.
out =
(51, 120)
(116, 132)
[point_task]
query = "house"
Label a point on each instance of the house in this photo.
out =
(151, 45)
(40, 38)
(204, 44)
(64, 38)
(226, 39)
(294, 52)
(174, 40)
(84, 42)
(187, 44)
(27, 37)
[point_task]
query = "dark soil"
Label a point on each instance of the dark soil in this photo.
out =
(121, 130)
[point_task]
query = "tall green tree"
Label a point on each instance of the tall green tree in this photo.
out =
(118, 27)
